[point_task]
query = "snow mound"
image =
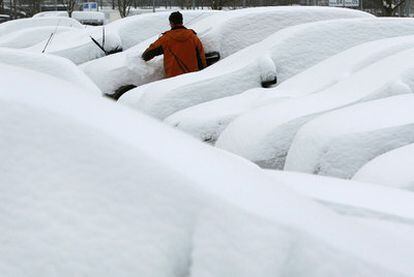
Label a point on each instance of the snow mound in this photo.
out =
(340, 142)
(94, 190)
(393, 168)
(265, 134)
(350, 197)
(20, 24)
(30, 36)
(135, 29)
(206, 121)
(78, 46)
(290, 50)
(51, 14)
(225, 32)
(51, 65)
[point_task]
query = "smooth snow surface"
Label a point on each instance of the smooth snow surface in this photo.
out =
(30, 36)
(225, 32)
(8, 27)
(340, 142)
(90, 188)
(206, 121)
(265, 134)
(51, 65)
(394, 168)
(356, 198)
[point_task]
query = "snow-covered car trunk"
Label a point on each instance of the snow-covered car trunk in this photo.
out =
(47, 64)
(264, 134)
(206, 121)
(394, 168)
(80, 48)
(20, 24)
(286, 53)
(30, 36)
(340, 142)
(225, 33)
(86, 195)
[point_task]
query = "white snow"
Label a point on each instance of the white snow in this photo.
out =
(30, 36)
(20, 24)
(225, 32)
(91, 188)
(351, 197)
(48, 64)
(393, 168)
(340, 142)
(265, 134)
(207, 120)
(51, 14)
(292, 50)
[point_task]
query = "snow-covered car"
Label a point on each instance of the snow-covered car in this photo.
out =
(84, 17)
(340, 142)
(20, 24)
(79, 47)
(51, 65)
(30, 36)
(282, 55)
(264, 134)
(223, 33)
(393, 168)
(82, 193)
(206, 121)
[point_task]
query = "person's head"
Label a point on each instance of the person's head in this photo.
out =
(176, 19)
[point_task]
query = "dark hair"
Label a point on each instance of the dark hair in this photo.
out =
(176, 18)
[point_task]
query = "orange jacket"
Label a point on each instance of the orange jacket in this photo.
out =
(182, 49)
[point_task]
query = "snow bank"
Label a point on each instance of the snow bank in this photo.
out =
(225, 32)
(265, 134)
(206, 121)
(393, 168)
(350, 197)
(340, 142)
(30, 36)
(51, 14)
(51, 65)
(135, 29)
(290, 50)
(20, 24)
(94, 190)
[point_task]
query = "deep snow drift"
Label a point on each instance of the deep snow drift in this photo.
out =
(206, 121)
(48, 64)
(20, 24)
(86, 195)
(225, 32)
(288, 52)
(340, 142)
(265, 134)
(394, 168)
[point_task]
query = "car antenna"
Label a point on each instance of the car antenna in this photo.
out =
(51, 37)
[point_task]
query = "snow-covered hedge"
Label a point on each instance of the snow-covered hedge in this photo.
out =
(394, 168)
(226, 33)
(207, 120)
(340, 142)
(20, 24)
(286, 53)
(30, 36)
(83, 194)
(265, 134)
(48, 64)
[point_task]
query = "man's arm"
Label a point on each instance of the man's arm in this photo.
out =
(155, 49)
(201, 57)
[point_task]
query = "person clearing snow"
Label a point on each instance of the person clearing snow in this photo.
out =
(182, 49)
